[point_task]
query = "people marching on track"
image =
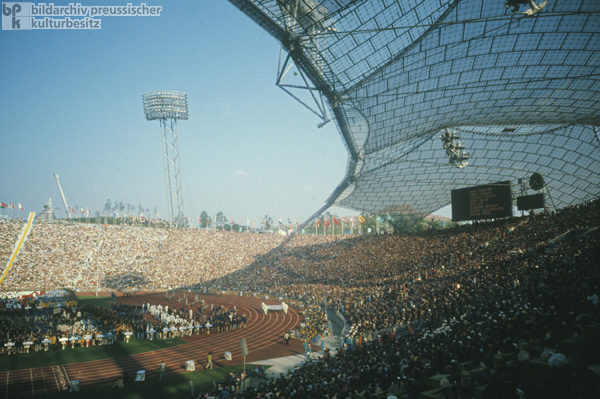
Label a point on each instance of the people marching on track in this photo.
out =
(44, 318)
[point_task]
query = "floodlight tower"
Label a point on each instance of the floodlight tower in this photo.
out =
(168, 107)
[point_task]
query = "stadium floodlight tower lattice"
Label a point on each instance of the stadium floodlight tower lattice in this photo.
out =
(168, 107)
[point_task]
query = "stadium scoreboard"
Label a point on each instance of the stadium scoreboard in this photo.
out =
(529, 202)
(488, 201)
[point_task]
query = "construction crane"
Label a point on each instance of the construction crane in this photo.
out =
(62, 194)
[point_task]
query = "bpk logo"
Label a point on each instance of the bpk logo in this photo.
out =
(15, 16)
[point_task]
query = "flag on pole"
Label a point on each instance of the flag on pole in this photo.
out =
(336, 221)
(361, 219)
(280, 222)
(73, 210)
(318, 222)
(20, 207)
(3, 205)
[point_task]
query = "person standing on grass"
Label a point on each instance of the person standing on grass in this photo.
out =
(162, 368)
(125, 377)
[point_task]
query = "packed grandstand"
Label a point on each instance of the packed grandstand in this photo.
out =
(505, 309)
(477, 304)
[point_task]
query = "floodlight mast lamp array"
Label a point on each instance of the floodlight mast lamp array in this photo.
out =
(168, 107)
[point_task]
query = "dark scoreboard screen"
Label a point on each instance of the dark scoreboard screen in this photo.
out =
(489, 201)
(529, 202)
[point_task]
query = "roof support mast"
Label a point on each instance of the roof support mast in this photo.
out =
(62, 194)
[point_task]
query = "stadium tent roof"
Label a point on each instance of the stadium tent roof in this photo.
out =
(522, 92)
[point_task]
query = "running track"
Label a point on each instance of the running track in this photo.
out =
(263, 333)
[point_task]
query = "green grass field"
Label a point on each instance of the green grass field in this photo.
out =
(76, 355)
(96, 301)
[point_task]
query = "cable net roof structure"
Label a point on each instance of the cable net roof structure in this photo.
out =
(519, 86)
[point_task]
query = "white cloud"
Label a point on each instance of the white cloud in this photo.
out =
(241, 172)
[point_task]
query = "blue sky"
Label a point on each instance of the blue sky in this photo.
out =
(71, 104)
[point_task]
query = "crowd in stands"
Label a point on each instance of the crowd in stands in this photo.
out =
(513, 289)
(87, 256)
(438, 302)
(315, 324)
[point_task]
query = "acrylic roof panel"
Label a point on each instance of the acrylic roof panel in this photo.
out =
(521, 91)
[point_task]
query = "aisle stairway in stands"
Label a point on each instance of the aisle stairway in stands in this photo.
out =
(18, 245)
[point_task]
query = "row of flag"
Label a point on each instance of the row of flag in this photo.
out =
(325, 221)
(82, 211)
(11, 206)
(318, 221)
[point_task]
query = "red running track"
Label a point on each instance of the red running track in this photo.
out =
(263, 334)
